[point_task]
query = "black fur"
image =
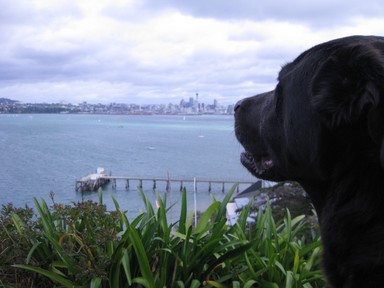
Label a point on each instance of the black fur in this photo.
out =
(323, 126)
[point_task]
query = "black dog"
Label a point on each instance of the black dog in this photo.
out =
(323, 127)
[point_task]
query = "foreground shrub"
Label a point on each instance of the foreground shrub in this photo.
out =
(85, 245)
(15, 244)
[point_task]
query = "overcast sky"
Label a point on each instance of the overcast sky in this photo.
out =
(160, 51)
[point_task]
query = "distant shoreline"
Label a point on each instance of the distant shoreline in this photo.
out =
(193, 107)
(117, 113)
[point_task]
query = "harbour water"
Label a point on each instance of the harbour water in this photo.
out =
(43, 153)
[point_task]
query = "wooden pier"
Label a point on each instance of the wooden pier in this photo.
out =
(93, 182)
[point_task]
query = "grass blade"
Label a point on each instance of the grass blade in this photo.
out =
(141, 256)
(53, 276)
(95, 282)
(183, 213)
(203, 223)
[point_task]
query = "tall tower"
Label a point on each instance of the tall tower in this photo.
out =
(197, 104)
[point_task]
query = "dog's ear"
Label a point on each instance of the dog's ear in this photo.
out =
(348, 88)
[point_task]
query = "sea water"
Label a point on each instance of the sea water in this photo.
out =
(43, 154)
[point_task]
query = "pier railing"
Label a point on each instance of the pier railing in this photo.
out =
(95, 181)
(180, 181)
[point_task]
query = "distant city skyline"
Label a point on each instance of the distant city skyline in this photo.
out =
(191, 101)
(193, 106)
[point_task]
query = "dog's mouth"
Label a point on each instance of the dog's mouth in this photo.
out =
(257, 165)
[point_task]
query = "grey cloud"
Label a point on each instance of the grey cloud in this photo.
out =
(14, 13)
(314, 13)
(31, 64)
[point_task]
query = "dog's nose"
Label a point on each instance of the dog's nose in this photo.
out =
(238, 104)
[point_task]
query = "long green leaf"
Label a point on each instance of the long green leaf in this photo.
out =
(148, 205)
(215, 284)
(230, 254)
(95, 282)
(31, 251)
(117, 206)
(183, 213)
(126, 265)
(141, 257)
(203, 223)
(53, 276)
(296, 262)
(47, 225)
(114, 273)
(268, 284)
(249, 284)
(162, 214)
(289, 280)
(143, 281)
(315, 255)
(18, 223)
(221, 213)
(195, 284)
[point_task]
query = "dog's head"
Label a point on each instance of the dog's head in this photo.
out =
(325, 115)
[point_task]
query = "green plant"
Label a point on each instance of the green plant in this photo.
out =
(73, 246)
(18, 233)
(282, 257)
(155, 253)
(85, 245)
